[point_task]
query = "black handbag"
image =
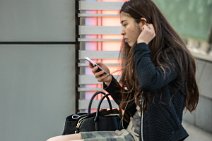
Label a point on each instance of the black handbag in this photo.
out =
(101, 120)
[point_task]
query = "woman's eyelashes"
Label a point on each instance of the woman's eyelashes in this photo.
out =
(124, 24)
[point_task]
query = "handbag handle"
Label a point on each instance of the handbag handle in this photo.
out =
(99, 105)
(92, 98)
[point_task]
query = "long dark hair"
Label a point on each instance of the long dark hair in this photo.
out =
(165, 46)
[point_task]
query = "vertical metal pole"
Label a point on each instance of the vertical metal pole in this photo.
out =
(77, 47)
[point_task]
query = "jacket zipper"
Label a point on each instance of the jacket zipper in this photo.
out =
(142, 120)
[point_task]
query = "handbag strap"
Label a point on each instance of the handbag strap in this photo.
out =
(94, 95)
(99, 105)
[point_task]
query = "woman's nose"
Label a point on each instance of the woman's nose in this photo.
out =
(122, 32)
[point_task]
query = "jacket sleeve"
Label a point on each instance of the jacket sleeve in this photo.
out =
(150, 76)
(114, 89)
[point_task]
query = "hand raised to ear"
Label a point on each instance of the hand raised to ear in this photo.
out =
(147, 34)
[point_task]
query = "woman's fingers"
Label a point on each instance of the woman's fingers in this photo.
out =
(150, 29)
(104, 78)
(99, 74)
(94, 69)
(147, 34)
(102, 73)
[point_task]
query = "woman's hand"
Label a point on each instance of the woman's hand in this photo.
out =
(147, 33)
(103, 75)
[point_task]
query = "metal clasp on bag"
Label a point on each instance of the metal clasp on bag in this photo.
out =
(75, 116)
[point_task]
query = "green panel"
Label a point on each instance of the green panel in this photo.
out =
(191, 18)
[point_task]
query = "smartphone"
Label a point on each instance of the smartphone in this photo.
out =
(93, 64)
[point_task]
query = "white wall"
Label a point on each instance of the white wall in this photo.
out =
(37, 81)
(201, 117)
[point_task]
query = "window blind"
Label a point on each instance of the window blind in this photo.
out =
(99, 39)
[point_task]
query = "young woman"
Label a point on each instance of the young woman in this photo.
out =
(157, 81)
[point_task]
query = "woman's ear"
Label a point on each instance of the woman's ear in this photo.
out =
(142, 23)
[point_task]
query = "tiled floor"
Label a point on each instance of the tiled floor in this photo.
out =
(196, 134)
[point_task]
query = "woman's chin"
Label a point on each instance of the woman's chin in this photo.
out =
(130, 44)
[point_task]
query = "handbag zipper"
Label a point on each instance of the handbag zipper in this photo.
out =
(79, 124)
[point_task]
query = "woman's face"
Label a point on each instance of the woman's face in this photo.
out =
(130, 29)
